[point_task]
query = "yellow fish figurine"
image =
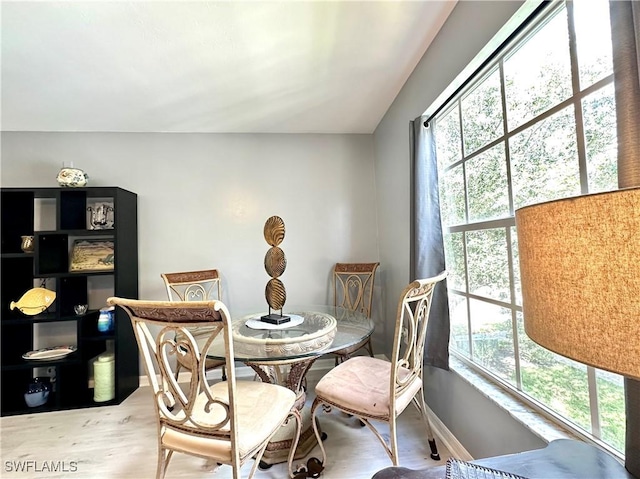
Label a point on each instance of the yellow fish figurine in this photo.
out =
(34, 301)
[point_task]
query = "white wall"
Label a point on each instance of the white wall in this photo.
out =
(470, 416)
(203, 200)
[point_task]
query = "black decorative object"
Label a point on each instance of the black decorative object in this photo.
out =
(37, 392)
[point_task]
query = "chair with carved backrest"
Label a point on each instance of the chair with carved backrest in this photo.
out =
(353, 290)
(229, 422)
(201, 285)
(374, 389)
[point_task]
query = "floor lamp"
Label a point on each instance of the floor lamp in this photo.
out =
(580, 271)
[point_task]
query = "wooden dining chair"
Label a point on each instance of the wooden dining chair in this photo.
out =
(203, 285)
(353, 290)
(229, 422)
(374, 389)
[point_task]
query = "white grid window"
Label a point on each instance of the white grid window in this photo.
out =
(537, 124)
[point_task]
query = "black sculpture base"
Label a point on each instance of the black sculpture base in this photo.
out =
(275, 319)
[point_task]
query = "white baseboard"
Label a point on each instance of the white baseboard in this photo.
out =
(321, 367)
(449, 441)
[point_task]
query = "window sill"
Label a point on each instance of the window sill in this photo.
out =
(540, 425)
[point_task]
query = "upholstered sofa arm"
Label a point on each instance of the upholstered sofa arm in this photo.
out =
(404, 473)
(561, 459)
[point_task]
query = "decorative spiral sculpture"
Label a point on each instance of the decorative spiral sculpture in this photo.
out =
(274, 231)
(275, 263)
(276, 295)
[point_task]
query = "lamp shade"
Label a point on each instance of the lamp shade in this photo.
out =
(580, 272)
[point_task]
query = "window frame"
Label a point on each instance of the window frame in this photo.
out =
(507, 223)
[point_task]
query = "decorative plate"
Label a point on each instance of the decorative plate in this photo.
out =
(34, 301)
(49, 353)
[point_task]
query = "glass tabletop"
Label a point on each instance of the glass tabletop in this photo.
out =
(314, 330)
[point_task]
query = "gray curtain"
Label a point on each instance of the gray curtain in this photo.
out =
(625, 37)
(427, 245)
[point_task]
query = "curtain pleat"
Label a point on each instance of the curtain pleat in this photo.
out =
(427, 244)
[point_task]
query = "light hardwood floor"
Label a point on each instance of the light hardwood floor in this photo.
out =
(120, 442)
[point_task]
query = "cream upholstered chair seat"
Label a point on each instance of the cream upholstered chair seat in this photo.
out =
(363, 386)
(261, 410)
(374, 389)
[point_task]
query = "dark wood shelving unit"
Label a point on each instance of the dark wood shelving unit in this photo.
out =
(50, 261)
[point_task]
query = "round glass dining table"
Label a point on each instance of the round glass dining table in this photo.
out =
(351, 327)
(312, 332)
(284, 354)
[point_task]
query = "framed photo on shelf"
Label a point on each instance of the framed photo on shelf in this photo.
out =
(92, 255)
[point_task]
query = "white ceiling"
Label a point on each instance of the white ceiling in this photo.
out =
(209, 66)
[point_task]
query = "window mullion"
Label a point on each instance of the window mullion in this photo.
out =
(466, 297)
(464, 234)
(593, 402)
(577, 103)
(514, 317)
(507, 155)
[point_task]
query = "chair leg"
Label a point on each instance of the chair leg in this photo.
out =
(316, 430)
(164, 456)
(369, 347)
(256, 463)
(387, 441)
(418, 401)
(296, 438)
(257, 458)
(235, 467)
(434, 450)
(393, 441)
